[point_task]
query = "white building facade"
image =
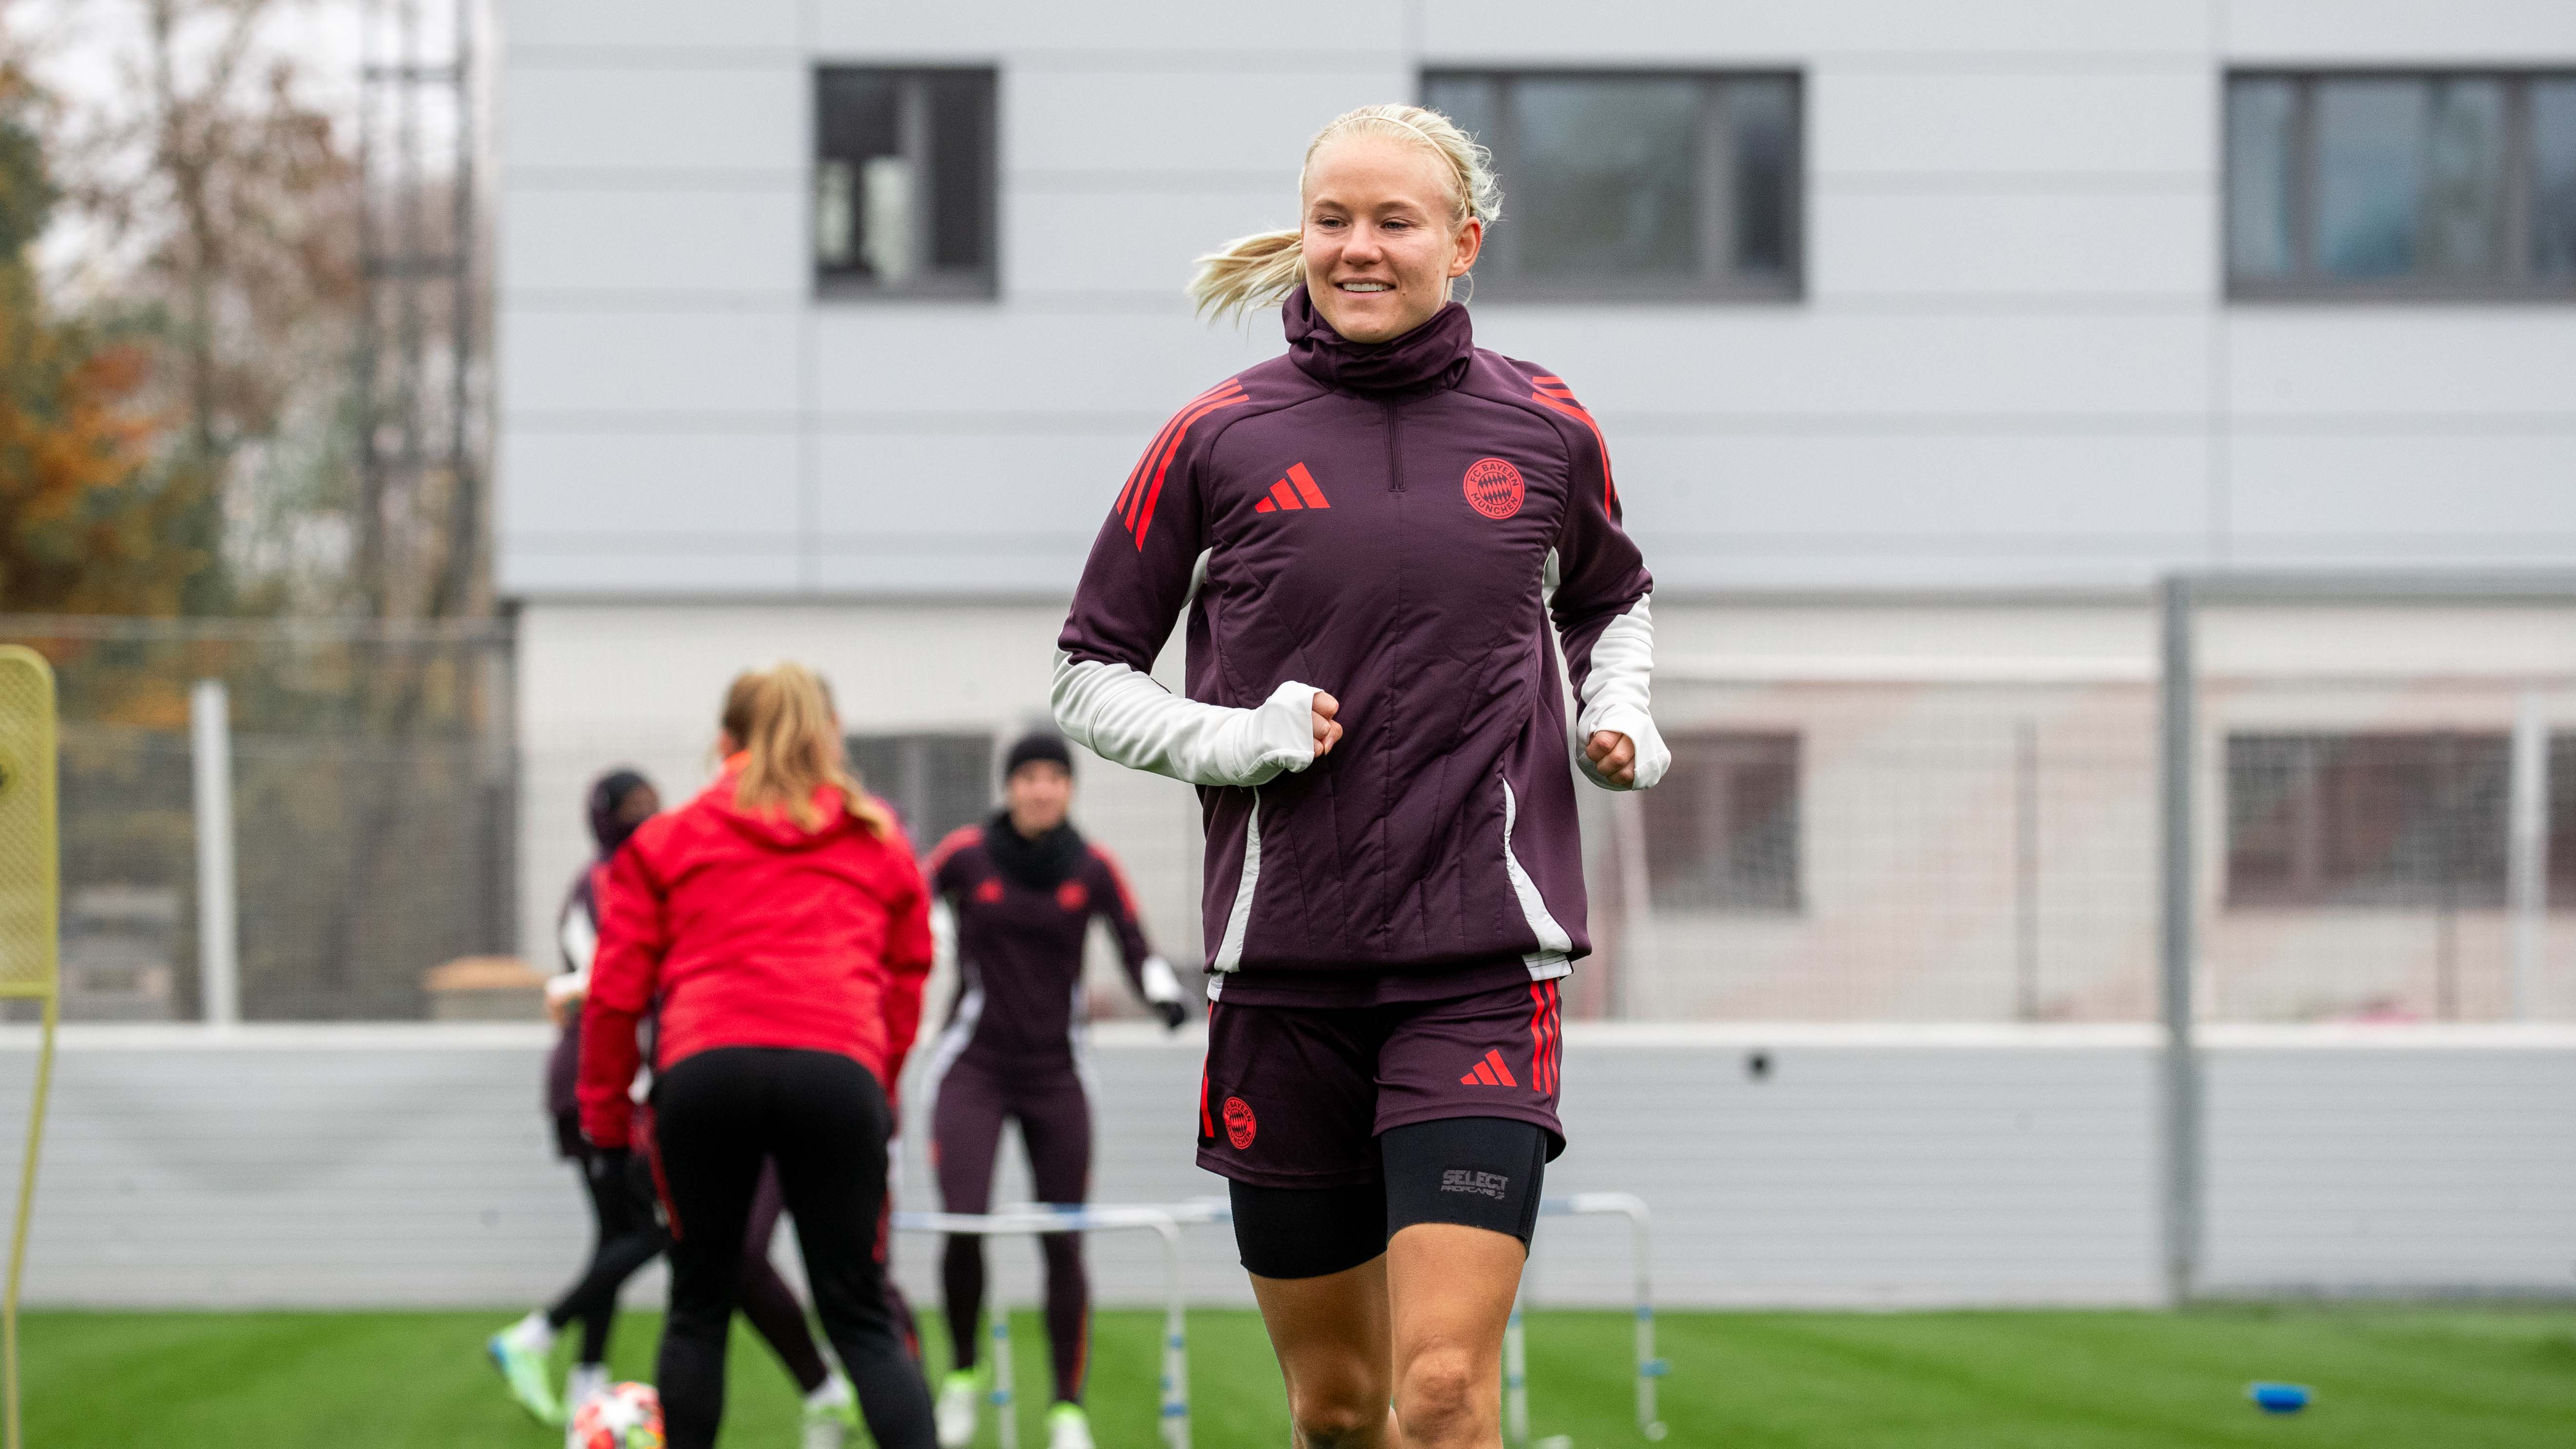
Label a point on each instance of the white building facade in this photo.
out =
(1925, 337)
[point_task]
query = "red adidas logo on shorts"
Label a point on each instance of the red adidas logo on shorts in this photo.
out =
(1489, 1073)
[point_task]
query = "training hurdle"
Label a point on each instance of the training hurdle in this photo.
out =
(1649, 1368)
(1033, 1219)
(1167, 1221)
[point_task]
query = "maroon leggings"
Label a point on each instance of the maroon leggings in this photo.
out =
(975, 1099)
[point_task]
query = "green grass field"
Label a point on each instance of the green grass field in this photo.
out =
(2419, 1377)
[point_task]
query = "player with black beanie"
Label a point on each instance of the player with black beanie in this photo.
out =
(1020, 892)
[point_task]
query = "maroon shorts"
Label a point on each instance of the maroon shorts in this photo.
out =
(1295, 1096)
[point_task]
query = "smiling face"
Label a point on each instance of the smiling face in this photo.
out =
(1382, 235)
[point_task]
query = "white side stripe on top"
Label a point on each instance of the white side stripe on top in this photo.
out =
(1238, 919)
(952, 1042)
(1552, 938)
(579, 938)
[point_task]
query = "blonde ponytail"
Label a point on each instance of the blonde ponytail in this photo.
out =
(782, 720)
(1249, 271)
(1260, 269)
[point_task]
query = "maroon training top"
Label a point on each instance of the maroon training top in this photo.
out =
(1377, 521)
(1019, 945)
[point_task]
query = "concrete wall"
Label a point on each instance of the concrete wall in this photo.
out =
(410, 1166)
(2012, 366)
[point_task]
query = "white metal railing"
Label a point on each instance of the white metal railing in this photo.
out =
(1037, 1219)
(1166, 1222)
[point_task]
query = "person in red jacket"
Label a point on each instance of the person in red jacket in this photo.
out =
(778, 928)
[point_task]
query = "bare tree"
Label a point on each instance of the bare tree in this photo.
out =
(223, 197)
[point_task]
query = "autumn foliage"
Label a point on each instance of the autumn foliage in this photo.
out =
(90, 522)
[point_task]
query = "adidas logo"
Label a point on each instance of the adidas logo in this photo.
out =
(1489, 1073)
(1293, 492)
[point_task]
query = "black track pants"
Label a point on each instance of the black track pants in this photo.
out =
(629, 1237)
(621, 1208)
(822, 1118)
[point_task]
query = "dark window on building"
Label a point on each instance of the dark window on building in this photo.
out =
(2416, 820)
(904, 182)
(1722, 828)
(935, 782)
(1641, 184)
(2379, 184)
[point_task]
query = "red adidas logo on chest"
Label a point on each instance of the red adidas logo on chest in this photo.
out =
(1293, 493)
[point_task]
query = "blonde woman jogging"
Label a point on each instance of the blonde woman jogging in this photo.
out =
(1372, 535)
(778, 928)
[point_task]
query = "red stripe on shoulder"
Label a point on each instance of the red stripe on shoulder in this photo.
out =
(1117, 877)
(1154, 493)
(1128, 496)
(955, 841)
(1609, 490)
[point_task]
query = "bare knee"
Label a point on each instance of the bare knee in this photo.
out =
(1335, 1418)
(1443, 1396)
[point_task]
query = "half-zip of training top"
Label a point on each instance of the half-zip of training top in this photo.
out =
(1394, 447)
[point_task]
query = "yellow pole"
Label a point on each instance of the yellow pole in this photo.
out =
(26, 1212)
(30, 933)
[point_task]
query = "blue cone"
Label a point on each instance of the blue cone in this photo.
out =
(2278, 1398)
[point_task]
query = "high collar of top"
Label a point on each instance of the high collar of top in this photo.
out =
(1042, 863)
(1431, 356)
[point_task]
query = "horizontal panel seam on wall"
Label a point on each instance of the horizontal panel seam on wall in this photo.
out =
(1166, 298)
(1194, 180)
(1130, 58)
(2149, 61)
(664, 541)
(2008, 182)
(536, 179)
(1820, 423)
(753, 545)
(1108, 60)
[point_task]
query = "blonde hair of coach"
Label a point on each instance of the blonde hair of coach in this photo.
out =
(1260, 269)
(782, 720)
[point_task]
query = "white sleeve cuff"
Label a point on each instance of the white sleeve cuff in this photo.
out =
(1161, 983)
(1654, 757)
(1126, 717)
(1618, 695)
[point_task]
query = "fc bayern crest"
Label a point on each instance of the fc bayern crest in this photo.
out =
(1240, 1125)
(1494, 488)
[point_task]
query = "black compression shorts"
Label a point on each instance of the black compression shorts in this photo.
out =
(1481, 1172)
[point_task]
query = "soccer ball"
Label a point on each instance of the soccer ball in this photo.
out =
(628, 1416)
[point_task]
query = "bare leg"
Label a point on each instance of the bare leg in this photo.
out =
(1331, 1335)
(1451, 1289)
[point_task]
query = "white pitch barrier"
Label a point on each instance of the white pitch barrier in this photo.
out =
(1037, 1219)
(1166, 1222)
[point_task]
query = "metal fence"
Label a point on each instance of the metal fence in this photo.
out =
(373, 815)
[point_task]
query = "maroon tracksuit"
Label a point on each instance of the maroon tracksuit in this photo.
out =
(1379, 522)
(1011, 1050)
